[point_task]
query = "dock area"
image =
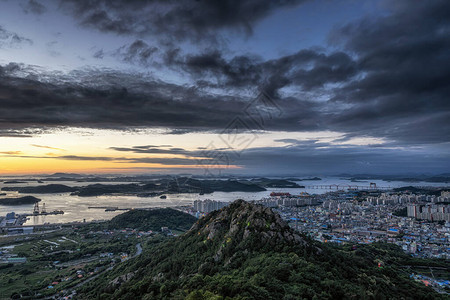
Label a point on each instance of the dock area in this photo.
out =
(109, 208)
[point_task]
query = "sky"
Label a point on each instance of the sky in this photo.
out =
(282, 87)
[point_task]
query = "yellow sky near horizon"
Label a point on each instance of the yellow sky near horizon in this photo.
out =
(46, 152)
(41, 154)
(19, 166)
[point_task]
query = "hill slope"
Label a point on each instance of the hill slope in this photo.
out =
(19, 201)
(152, 219)
(245, 251)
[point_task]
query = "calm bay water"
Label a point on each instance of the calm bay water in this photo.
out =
(76, 208)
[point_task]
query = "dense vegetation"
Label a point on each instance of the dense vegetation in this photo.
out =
(19, 201)
(57, 256)
(246, 252)
(107, 189)
(153, 188)
(438, 178)
(152, 219)
(276, 183)
(419, 190)
(51, 257)
(190, 185)
(402, 212)
(41, 189)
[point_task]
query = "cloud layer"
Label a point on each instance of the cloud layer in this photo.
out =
(10, 39)
(383, 76)
(174, 20)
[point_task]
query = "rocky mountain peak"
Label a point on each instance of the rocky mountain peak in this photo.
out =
(245, 226)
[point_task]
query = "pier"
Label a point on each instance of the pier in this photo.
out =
(108, 208)
(371, 187)
(43, 212)
(340, 187)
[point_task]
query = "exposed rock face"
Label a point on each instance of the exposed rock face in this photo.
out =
(118, 281)
(244, 225)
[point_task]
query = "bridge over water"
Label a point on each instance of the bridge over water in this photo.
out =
(344, 186)
(372, 186)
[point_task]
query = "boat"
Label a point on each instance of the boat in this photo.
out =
(163, 197)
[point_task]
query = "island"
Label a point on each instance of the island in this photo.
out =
(155, 188)
(276, 183)
(19, 201)
(441, 178)
(311, 179)
(41, 189)
(152, 219)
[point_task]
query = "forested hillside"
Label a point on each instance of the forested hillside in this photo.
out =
(246, 251)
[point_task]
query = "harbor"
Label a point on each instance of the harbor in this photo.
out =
(15, 222)
(37, 211)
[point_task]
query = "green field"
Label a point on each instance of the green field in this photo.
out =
(56, 257)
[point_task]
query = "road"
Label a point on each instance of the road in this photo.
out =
(138, 250)
(78, 261)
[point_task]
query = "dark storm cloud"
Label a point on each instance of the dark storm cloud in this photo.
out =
(334, 159)
(389, 80)
(306, 156)
(34, 7)
(151, 146)
(119, 160)
(109, 99)
(306, 69)
(164, 161)
(21, 133)
(201, 153)
(138, 52)
(385, 77)
(153, 150)
(182, 20)
(138, 160)
(236, 72)
(404, 62)
(312, 143)
(10, 39)
(99, 54)
(180, 131)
